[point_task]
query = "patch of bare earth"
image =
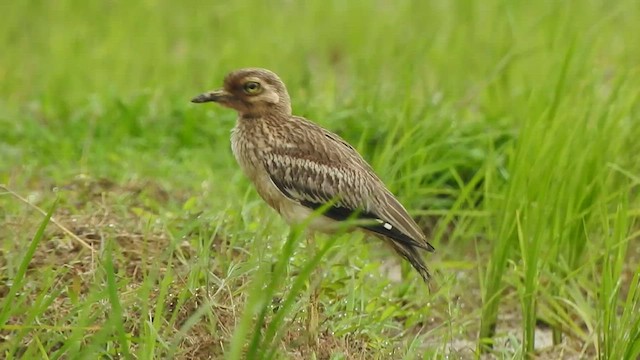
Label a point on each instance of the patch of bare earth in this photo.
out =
(94, 215)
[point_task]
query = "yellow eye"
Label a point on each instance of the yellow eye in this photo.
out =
(252, 88)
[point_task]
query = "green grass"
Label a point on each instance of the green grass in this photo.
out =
(509, 129)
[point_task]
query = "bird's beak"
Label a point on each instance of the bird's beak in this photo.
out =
(219, 96)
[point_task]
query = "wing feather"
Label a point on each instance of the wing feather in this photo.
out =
(329, 170)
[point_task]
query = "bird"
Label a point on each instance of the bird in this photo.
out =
(300, 168)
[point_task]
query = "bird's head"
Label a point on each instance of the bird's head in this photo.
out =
(253, 92)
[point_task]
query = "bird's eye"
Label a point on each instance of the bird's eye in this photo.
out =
(252, 88)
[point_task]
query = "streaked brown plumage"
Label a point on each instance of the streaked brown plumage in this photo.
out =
(298, 167)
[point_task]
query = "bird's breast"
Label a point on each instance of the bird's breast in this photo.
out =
(249, 151)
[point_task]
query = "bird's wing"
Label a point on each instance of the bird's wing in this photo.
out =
(330, 173)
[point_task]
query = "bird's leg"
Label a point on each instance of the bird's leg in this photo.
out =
(315, 280)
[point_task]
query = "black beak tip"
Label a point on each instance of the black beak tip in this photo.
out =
(199, 99)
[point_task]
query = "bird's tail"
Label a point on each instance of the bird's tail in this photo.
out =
(411, 254)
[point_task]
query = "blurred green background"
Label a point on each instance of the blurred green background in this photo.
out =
(508, 128)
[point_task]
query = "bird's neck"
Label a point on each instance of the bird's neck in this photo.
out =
(261, 116)
(255, 113)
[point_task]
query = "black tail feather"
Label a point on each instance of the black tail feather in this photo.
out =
(412, 255)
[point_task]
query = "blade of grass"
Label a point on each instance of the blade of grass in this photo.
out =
(277, 276)
(259, 298)
(19, 278)
(116, 316)
(274, 330)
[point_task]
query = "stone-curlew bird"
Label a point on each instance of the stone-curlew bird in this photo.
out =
(298, 167)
